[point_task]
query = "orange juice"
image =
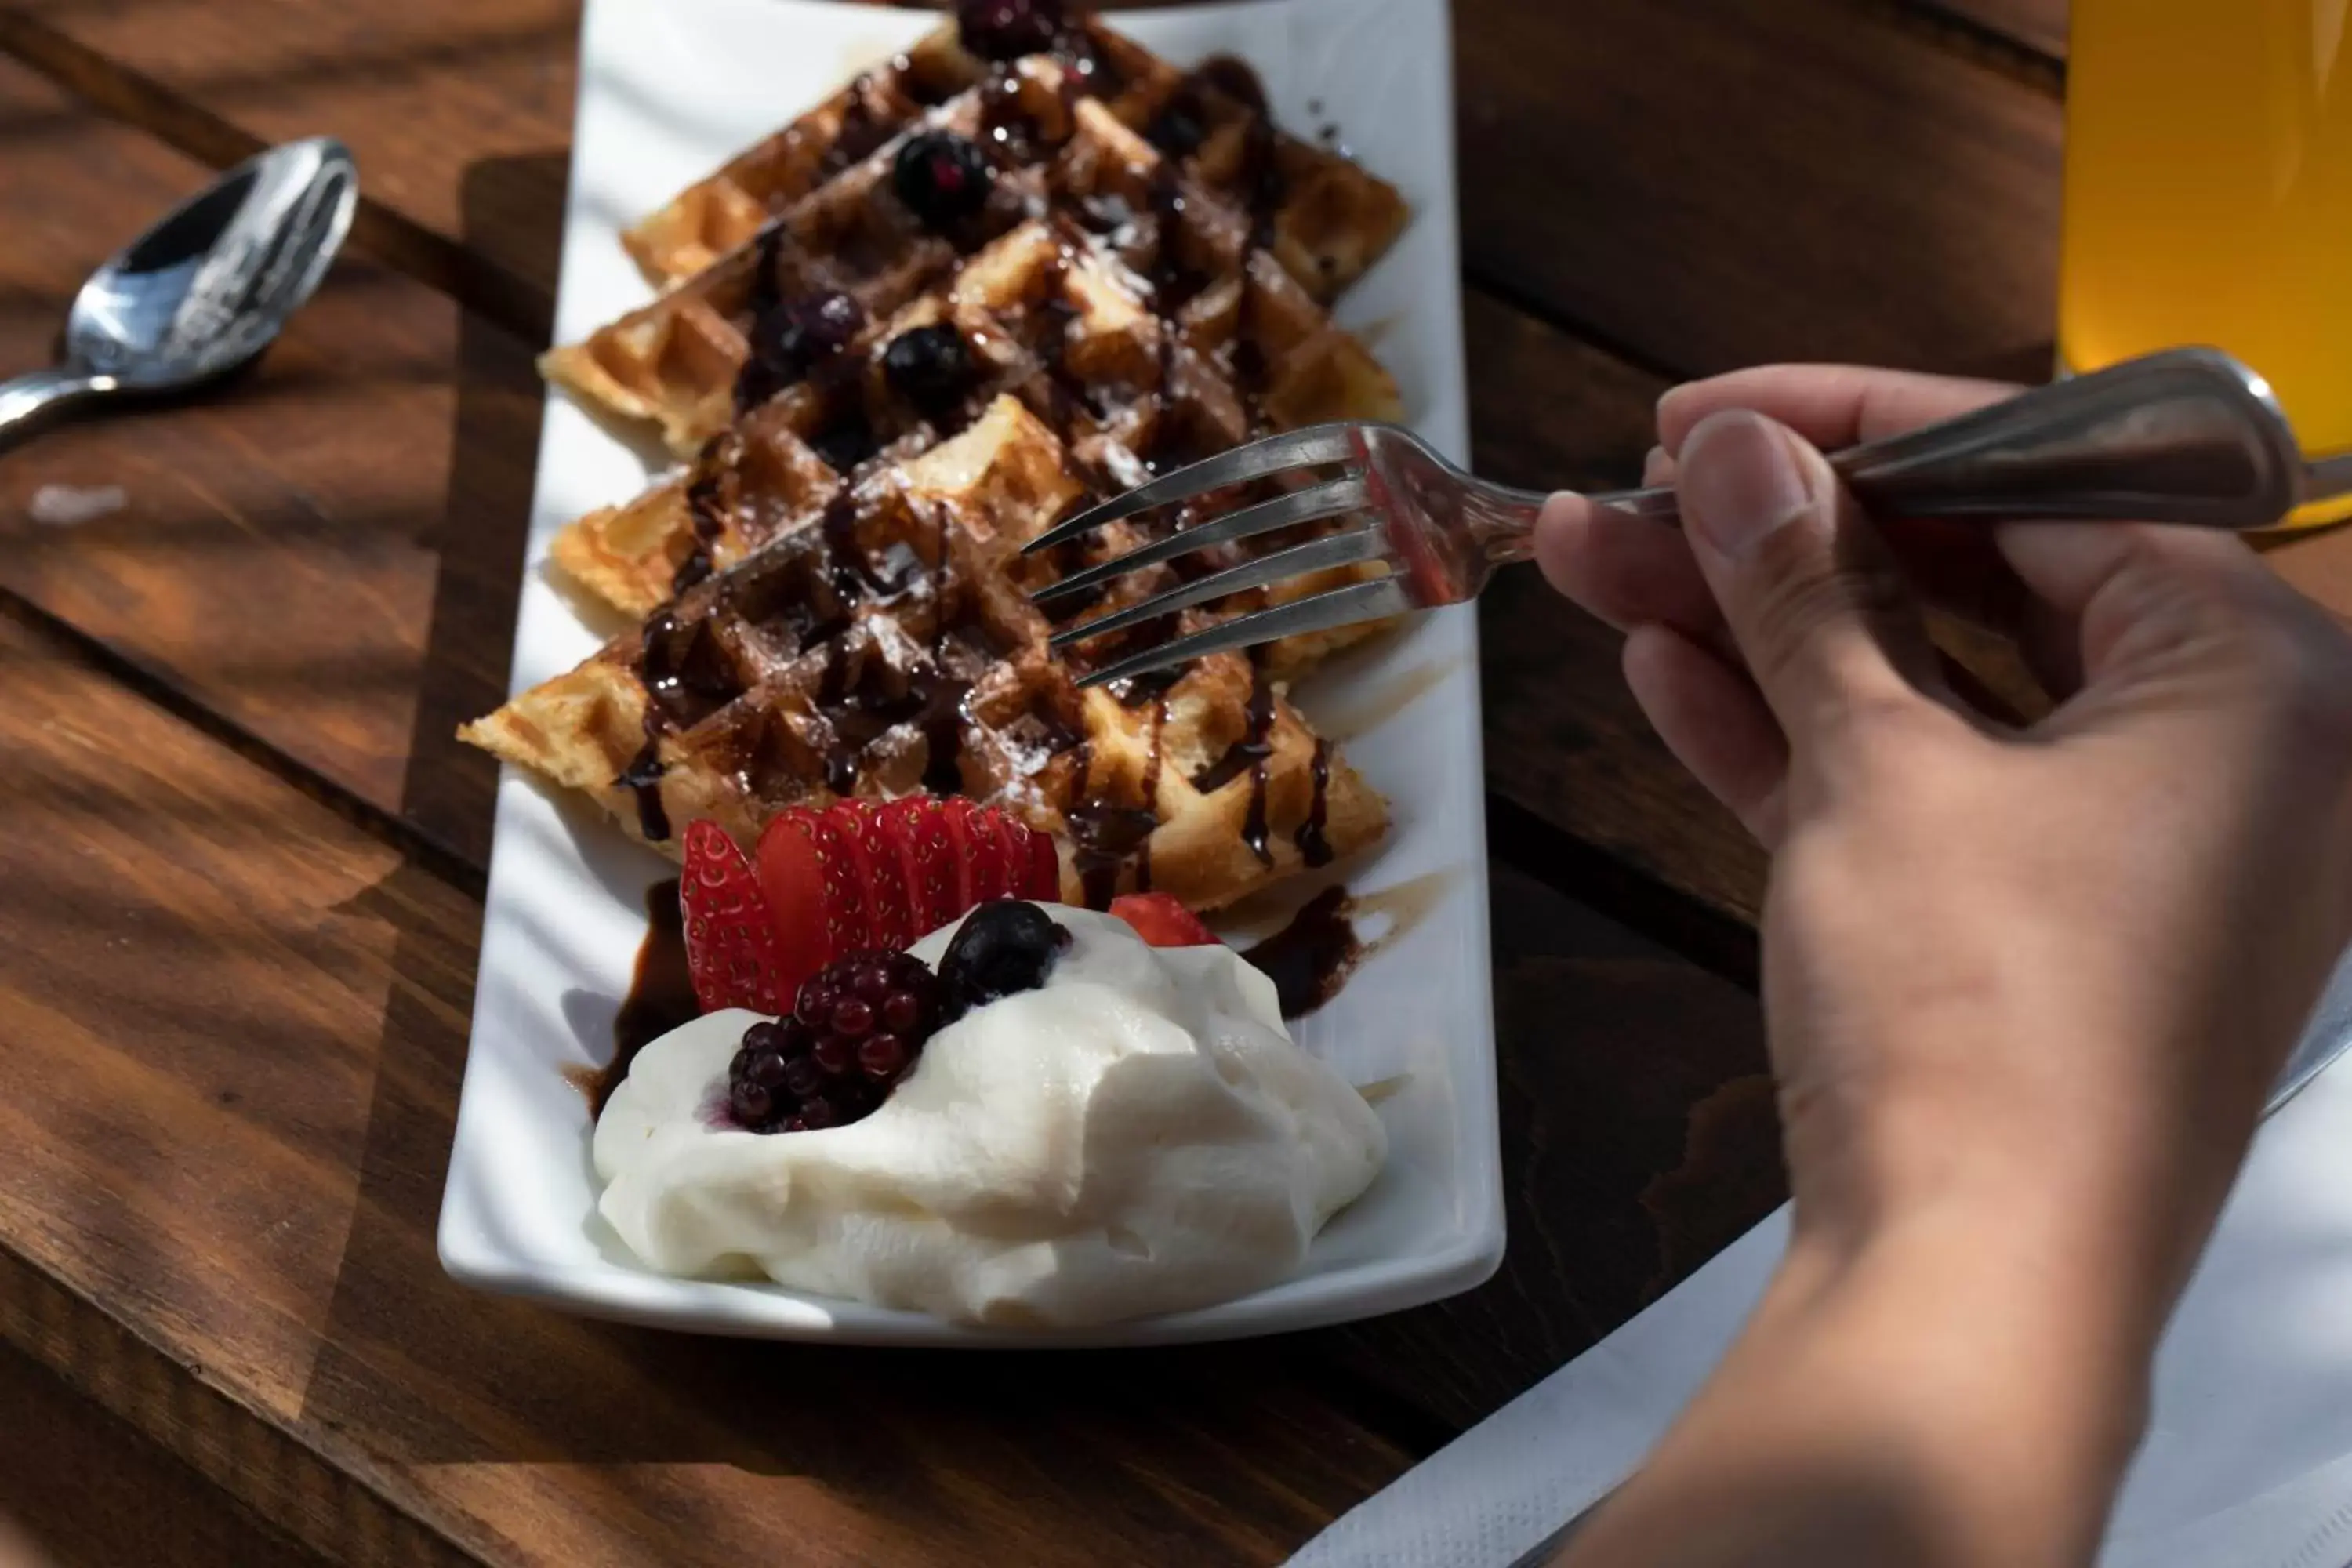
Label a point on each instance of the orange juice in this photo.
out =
(2209, 195)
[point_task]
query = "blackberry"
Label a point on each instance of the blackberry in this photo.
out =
(856, 1029)
(942, 177)
(930, 366)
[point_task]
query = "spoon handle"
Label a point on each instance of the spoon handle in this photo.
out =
(26, 400)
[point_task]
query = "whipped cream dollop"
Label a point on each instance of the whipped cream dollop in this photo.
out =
(1139, 1136)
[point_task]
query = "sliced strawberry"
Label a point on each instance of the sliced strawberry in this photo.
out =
(730, 935)
(1013, 849)
(893, 828)
(921, 828)
(1040, 866)
(1162, 921)
(988, 874)
(882, 877)
(814, 896)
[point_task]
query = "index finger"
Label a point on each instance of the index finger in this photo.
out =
(1831, 405)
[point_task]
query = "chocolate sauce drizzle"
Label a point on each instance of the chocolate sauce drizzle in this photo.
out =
(660, 998)
(706, 507)
(1313, 846)
(1253, 752)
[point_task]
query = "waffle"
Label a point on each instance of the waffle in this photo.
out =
(889, 648)
(1050, 314)
(1323, 217)
(832, 597)
(692, 360)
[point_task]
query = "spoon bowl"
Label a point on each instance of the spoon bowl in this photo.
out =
(205, 290)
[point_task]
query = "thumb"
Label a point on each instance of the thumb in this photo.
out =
(1813, 598)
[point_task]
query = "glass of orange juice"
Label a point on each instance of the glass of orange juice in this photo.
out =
(2209, 197)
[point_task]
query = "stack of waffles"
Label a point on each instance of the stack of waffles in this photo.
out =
(1014, 271)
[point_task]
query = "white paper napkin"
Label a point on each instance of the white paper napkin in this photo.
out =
(2247, 1459)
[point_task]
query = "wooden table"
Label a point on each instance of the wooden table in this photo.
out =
(241, 859)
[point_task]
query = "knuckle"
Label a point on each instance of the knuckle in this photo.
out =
(1795, 598)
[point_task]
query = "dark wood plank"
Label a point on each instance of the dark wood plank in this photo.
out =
(235, 1025)
(90, 1491)
(326, 553)
(1640, 1136)
(1564, 740)
(442, 102)
(1727, 181)
(2036, 25)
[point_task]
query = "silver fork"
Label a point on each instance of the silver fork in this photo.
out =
(2187, 436)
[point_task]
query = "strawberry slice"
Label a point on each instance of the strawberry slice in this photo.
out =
(731, 948)
(881, 874)
(1162, 921)
(1040, 864)
(814, 896)
(920, 827)
(988, 874)
(864, 874)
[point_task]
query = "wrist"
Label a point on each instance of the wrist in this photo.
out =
(2095, 1201)
(1946, 1392)
(2000, 1347)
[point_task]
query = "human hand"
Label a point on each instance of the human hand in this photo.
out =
(2074, 953)
(2026, 988)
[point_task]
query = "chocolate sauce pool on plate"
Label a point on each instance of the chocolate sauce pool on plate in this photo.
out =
(660, 998)
(1309, 959)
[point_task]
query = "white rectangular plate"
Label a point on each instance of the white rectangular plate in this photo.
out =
(669, 90)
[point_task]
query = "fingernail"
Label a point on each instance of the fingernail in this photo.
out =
(1740, 481)
(1656, 466)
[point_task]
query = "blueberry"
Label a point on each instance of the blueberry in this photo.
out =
(791, 338)
(1007, 29)
(942, 177)
(1004, 947)
(930, 367)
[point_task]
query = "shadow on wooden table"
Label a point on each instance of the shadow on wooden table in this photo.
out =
(482, 529)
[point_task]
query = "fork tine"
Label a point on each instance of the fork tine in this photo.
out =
(1297, 449)
(1316, 555)
(1313, 505)
(1319, 613)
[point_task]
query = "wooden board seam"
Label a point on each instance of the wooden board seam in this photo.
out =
(1632, 896)
(1976, 41)
(136, 99)
(292, 1483)
(412, 842)
(1521, 302)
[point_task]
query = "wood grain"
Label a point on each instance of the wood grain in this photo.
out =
(235, 1025)
(440, 100)
(326, 553)
(89, 1492)
(1640, 1136)
(1564, 739)
(2037, 25)
(1726, 182)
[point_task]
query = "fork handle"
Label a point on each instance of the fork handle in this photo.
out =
(2186, 436)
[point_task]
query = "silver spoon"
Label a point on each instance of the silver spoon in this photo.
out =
(205, 290)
